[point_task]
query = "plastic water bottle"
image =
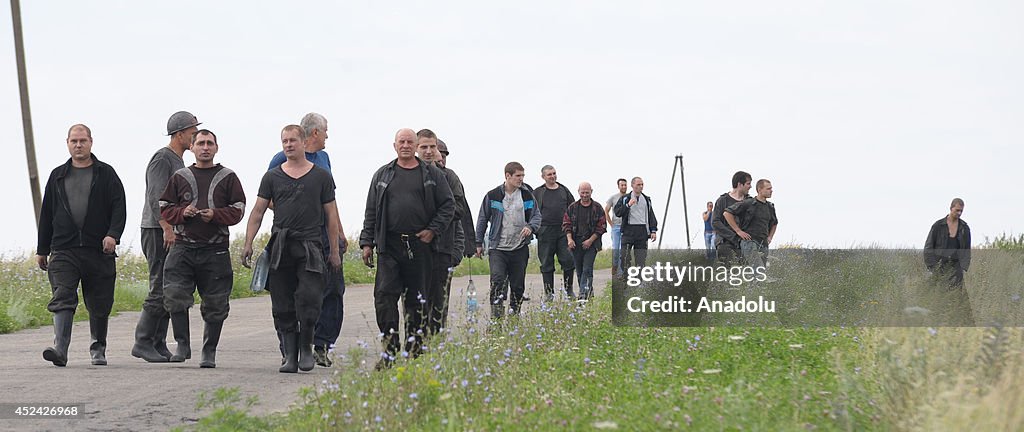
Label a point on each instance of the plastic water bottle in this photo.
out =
(471, 303)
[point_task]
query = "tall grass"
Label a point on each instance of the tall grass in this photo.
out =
(567, 366)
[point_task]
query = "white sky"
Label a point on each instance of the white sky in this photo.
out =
(867, 116)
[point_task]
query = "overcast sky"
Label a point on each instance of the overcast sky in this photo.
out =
(869, 117)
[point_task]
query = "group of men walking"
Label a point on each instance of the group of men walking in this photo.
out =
(417, 221)
(185, 241)
(741, 226)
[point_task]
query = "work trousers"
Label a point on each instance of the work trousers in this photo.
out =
(403, 273)
(508, 268)
(156, 256)
(91, 268)
(206, 268)
(297, 292)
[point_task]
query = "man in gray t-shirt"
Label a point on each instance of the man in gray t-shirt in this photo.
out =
(158, 237)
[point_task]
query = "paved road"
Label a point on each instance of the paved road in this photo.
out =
(131, 394)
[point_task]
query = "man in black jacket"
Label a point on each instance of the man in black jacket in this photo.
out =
(947, 254)
(408, 203)
(553, 198)
(639, 225)
(450, 242)
(80, 224)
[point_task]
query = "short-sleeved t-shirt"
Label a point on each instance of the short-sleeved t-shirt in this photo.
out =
(610, 205)
(755, 217)
(320, 159)
(298, 203)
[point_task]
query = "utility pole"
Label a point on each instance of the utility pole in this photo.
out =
(26, 112)
(677, 164)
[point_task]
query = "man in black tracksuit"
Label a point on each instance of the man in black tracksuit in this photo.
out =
(553, 198)
(408, 204)
(80, 223)
(639, 225)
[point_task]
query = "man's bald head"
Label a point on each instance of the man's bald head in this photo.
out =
(88, 132)
(585, 191)
(405, 132)
(405, 144)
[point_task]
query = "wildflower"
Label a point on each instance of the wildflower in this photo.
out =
(413, 396)
(377, 419)
(932, 331)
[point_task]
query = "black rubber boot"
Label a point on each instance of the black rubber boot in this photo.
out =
(391, 347)
(549, 285)
(211, 337)
(291, 352)
(497, 312)
(306, 360)
(160, 337)
(144, 332)
(567, 280)
(98, 347)
(179, 322)
(58, 353)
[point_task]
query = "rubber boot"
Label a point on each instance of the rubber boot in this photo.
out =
(549, 286)
(567, 280)
(391, 347)
(291, 352)
(497, 312)
(144, 331)
(58, 353)
(179, 322)
(98, 347)
(160, 337)
(306, 360)
(211, 337)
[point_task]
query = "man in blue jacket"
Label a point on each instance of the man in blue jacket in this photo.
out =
(80, 223)
(512, 212)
